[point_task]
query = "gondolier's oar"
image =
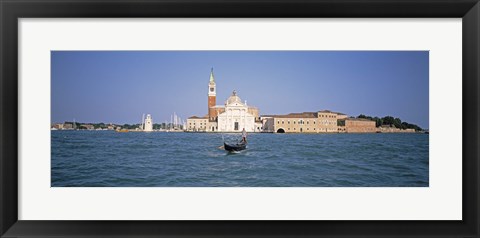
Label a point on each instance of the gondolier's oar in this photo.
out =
(223, 146)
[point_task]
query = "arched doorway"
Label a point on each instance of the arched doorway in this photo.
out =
(280, 130)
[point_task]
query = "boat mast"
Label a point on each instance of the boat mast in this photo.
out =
(176, 121)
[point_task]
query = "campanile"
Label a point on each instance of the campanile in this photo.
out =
(212, 96)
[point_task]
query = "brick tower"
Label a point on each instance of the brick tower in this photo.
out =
(212, 97)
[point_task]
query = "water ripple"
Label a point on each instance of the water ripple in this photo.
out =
(109, 159)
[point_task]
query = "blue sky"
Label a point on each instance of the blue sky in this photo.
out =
(119, 86)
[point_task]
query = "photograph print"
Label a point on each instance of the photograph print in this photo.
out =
(239, 119)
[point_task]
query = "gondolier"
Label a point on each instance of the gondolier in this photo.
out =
(244, 136)
(238, 146)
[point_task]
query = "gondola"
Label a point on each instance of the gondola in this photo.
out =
(235, 147)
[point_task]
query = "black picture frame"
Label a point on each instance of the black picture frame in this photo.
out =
(11, 11)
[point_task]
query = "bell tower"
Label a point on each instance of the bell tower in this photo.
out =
(212, 96)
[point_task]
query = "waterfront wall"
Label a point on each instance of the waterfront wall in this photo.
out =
(394, 130)
(359, 126)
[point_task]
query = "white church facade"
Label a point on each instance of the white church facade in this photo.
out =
(236, 116)
(233, 116)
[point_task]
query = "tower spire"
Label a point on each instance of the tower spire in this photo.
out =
(212, 78)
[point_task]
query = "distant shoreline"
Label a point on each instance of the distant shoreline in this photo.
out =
(233, 132)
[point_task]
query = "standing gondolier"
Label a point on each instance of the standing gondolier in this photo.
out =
(244, 136)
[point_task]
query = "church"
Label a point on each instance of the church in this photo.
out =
(233, 116)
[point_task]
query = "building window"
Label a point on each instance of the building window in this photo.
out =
(282, 122)
(289, 122)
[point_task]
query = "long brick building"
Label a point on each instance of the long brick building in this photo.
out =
(316, 122)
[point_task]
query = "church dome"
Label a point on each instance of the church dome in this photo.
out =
(233, 99)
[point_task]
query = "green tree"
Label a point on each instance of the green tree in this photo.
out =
(388, 120)
(397, 122)
(378, 121)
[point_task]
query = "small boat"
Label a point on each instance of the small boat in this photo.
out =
(235, 147)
